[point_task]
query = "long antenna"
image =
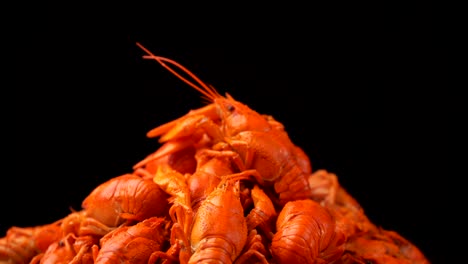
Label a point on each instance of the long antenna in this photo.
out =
(206, 90)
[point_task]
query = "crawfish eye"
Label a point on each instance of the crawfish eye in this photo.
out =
(230, 108)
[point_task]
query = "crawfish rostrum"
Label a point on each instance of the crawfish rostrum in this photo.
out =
(227, 185)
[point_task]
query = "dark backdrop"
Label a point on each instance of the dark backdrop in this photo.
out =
(350, 84)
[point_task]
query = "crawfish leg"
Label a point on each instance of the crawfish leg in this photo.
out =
(253, 248)
(262, 213)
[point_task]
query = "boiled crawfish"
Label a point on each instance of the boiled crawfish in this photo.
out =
(125, 199)
(227, 185)
(306, 233)
(381, 247)
(260, 143)
(213, 241)
(21, 244)
(218, 194)
(140, 244)
(68, 250)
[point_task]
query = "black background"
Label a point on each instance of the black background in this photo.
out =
(357, 87)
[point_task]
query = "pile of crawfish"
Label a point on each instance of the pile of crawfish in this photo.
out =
(227, 185)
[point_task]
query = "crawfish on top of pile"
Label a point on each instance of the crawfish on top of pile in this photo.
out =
(227, 185)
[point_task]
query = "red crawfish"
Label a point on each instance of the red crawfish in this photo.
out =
(137, 244)
(260, 141)
(306, 233)
(125, 199)
(381, 247)
(196, 234)
(181, 160)
(219, 232)
(80, 224)
(348, 213)
(21, 244)
(68, 250)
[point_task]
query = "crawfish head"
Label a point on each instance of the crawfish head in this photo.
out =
(219, 229)
(238, 117)
(233, 115)
(260, 142)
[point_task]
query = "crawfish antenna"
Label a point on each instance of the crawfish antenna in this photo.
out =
(206, 90)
